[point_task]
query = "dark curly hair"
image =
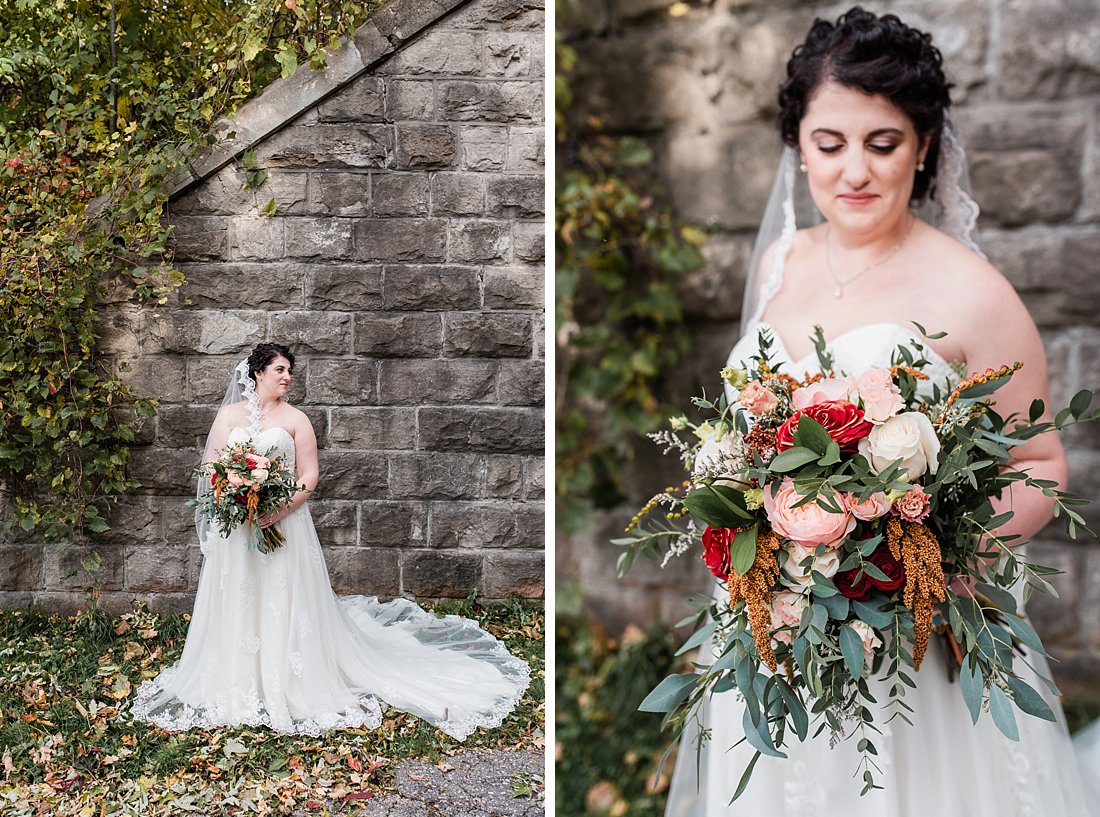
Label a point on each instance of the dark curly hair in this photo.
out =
(876, 55)
(262, 355)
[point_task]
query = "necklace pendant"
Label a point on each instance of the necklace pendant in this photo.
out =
(838, 292)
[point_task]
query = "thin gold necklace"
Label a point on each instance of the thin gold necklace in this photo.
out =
(839, 290)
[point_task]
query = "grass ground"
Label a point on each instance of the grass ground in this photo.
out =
(70, 749)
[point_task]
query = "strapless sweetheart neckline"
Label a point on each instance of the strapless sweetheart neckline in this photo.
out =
(262, 431)
(777, 338)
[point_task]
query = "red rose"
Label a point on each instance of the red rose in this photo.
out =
(860, 588)
(716, 550)
(842, 420)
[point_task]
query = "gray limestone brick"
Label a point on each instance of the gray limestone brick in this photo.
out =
(432, 287)
(157, 569)
(398, 334)
(486, 525)
(346, 287)
(410, 99)
(513, 573)
(364, 571)
(498, 430)
(372, 429)
(198, 238)
(458, 194)
(352, 475)
(337, 382)
(483, 147)
(256, 238)
(65, 568)
(400, 239)
(346, 145)
(513, 288)
(361, 101)
(487, 335)
(336, 520)
(445, 54)
(337, 193)
(522, 382)
(400, 194)
(437, 475)
(313, 332)
(504, 476)
(526, 150)
(393, 524)
(528, 241)
(519, 196)
(23, 568)
(426, 146)
(243, 285)
(430, 573)
(485, 101)
(318, 238)
(479, 242)
(446, 382)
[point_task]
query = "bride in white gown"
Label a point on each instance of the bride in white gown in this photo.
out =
(863, 115)
(270, 643)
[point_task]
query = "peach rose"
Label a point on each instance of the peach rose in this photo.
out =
(787, 610)
(908, 437)
(236, 480)
(757, 400)
(799, 578)
(874, 506)
(824, 391)
(914, 505)
(809, 525)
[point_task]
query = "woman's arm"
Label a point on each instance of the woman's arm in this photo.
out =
(305, 455)
(1003, 333)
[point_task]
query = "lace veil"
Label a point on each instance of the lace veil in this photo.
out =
(950, 208)
(241, 388)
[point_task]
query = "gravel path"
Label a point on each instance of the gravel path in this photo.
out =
(469, 784)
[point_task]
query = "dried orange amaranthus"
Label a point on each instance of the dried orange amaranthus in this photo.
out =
(755, 589)
(916, 547)
(253, 504)
(978, 377)
(916, 374)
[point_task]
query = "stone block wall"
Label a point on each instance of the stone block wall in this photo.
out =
(404, 267)
(700, 86)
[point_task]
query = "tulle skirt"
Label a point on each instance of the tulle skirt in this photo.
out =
(270, 643)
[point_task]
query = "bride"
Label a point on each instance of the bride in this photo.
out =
(863, 113)
(270, 643)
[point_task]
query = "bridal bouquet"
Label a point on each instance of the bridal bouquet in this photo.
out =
(850, 516)
(244, 485)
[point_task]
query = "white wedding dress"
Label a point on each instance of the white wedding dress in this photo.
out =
(941, 765)
(270, 643)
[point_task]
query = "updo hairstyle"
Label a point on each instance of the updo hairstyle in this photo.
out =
(263, 354)
(875, 55)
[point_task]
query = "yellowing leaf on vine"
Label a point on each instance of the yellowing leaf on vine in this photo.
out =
(287, 59)
(251, 48)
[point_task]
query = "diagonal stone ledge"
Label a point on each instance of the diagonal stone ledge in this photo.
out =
(385, 32)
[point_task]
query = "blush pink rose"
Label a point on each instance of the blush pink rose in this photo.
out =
(870, 640)
(809, 525)
(823, 391)
(880, 403)
(757, 400)
(914, 505)
(235, 479)
(876, 505)
(787, 610)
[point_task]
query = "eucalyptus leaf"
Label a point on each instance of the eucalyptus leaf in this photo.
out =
(791, 459)
(1026, 633)
(668, 694)
(1029, 700)
(698, 637)
(1001, 710)
(872, 614)
(851, 647)
(812, 435)
(970, 682)
(758, 736)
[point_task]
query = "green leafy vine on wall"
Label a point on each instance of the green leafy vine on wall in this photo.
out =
(99, 104)
(619, 322)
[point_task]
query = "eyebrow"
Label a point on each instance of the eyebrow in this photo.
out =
(872, 134)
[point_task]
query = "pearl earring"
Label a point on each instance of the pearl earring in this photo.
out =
(920, 167)
(802, 167)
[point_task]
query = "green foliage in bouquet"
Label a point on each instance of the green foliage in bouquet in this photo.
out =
(99, 105)
(916, 539)
(618, 316)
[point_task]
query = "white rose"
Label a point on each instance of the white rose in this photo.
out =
(908, 437)
(259, 474)
(794, 576)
